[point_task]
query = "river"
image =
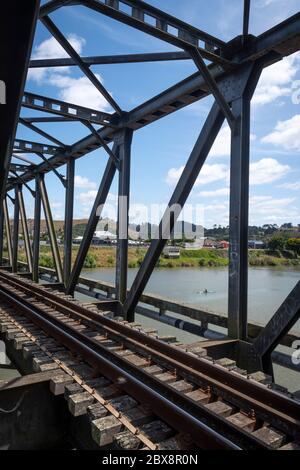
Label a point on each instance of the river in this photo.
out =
(267, 288)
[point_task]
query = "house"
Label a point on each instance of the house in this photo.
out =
(171, 252)
(209, 243)
(197, 244)
(256, 244)
(223, 244)
(104, 235)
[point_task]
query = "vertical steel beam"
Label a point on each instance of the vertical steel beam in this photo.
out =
(27, 244)
(103, 190)
(1, 233)
(238, 223)
(51, 229)
(124, 142)
(184, 186)
(68, 226)
(7, 231)
(15, 240)
(37, 231)
(246, 18)
(239, 207)
(17, 26)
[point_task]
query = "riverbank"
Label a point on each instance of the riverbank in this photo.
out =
(105, 257)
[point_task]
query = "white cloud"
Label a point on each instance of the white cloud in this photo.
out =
(56, 204)
(286, 134)
(208, 174)
(84, 183)
(263, 171)
(276, 80)
(78, 91)
(212, 173)
(266, 171)
(216, 193)
(263, 209)
(293, 186)
(51, 49)
(267, 208)
(87, 198)
(222, 144)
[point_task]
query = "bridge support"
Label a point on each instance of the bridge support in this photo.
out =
(101, 197)
(25, 229)
(37, 231)
(238, 224)
(68, 226)
(124, 150)
(15, 241)
(40, 420)
(51, 229)
(1, 233)
(7, 231)
(239, 208)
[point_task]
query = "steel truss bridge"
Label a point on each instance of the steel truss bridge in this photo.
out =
(229, 71)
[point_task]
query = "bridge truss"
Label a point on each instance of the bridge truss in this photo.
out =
(229, 71)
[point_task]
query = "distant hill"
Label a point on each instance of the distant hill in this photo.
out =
(144, 230)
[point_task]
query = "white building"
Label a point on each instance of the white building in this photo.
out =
(104, 235)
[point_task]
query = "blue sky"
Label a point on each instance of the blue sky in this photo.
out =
(160, 150)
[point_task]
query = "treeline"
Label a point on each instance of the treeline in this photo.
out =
(263, 233)
(282, 243)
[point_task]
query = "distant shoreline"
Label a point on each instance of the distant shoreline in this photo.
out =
(104, 257)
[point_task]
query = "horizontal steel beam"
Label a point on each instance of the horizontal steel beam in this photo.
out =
(18, 167)
(54, 5)
(188, 91)
(283, 39)
(153, 21)
(33, 147)
(49, 105)
(112, 59)
(48, 119)
(140, 10)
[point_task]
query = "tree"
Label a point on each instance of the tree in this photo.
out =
(277, 243)
(293, 244)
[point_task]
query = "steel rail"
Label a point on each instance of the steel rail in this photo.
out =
(254, 396)
(95, 354)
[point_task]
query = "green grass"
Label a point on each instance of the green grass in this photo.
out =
(105, 257)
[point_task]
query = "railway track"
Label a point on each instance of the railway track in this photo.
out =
(194, 401)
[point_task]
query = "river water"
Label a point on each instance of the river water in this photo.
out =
(267, 289)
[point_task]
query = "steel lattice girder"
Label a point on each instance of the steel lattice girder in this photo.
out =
(28, 146)
(151, 20)
(73, 111)
(271, 46)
